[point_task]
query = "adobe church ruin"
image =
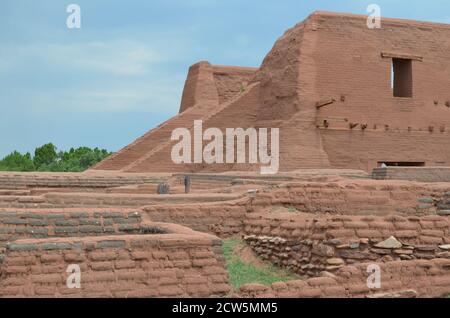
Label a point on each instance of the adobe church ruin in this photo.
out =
(327, 85)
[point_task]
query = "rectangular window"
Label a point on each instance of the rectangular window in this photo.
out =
(402, 78)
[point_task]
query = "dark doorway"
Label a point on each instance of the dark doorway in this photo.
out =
(402, 164)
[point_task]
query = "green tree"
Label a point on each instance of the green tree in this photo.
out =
(45, 155)
(47, 158)
(15, 161)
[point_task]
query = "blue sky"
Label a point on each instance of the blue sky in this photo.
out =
(123, 72)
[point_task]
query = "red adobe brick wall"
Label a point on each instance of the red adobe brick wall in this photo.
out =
(200, 88)
(349, 67)
(344, 197)
(181, 264)
(222, 219)
(94, 181)
(364, 197)
(31, 224)
(231, 80)
(419, 278)
(111, 200)
(418, 174)
(309, 245)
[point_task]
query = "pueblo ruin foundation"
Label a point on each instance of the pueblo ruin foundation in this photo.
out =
(364, 181)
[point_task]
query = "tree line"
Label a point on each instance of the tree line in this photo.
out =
(48, 158)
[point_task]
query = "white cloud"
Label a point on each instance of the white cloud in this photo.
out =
(155, 96)
(126, 58)
(92, 77)
(152, 97)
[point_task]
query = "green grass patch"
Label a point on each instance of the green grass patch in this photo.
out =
(242, 273)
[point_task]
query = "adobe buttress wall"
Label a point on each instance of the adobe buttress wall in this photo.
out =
(200, 88)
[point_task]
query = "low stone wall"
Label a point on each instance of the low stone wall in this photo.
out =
(407, 279)
(69, 200)
(358, 197)
(344, 197)
(223, 219)
(183, 263)
(22, 225)
(421, 174)
(20, 180)
(311, 245)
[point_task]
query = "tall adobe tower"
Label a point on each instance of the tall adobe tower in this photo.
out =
(343, 96)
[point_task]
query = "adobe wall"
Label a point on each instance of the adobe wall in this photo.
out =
(406, 279)
(181, 264)
(94, 181)
(42, 224)
(147, 144)
(223, 219)
(419, 174)
(309, 245)
(349, 68)
(200, 88)
(357, 197)
(344, 197)
(208, 85)
(287, 97)
(70, 200)
(231, 80)
(237, 112)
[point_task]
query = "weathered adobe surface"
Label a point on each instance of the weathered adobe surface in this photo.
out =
(405, 279)
(68, 200)
(59, 223)
(202, 105)
(213, 85)
(341, 197)
(92, 180)
(182, 263)
(310, 245)
(364, 197)
(224, 219)
(419, 174)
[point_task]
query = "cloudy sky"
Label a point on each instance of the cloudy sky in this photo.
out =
(123, 72)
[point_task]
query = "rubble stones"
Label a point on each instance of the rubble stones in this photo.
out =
(390, 243)
(335, 261)
(401, 294)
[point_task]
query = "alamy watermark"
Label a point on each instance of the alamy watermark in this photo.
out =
(374, 19)
(229, 149)
(374, 279)
(74, 279)
(74, 19)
